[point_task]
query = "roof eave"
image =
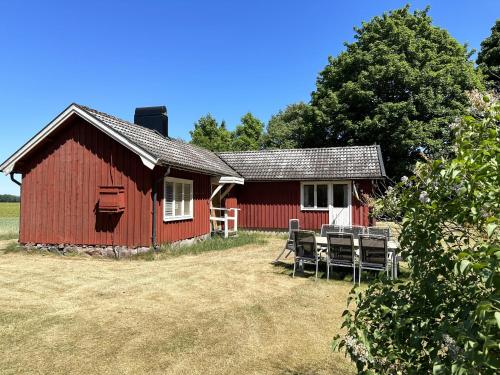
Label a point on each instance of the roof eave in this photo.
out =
(207, 172)
(381, 162)
(8, 165)
(314, 179)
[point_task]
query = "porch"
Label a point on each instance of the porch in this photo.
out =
(223, 220)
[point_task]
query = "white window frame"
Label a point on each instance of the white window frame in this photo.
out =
(315, 183)
(182, 181)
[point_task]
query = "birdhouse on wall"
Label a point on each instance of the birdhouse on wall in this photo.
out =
(111, 199)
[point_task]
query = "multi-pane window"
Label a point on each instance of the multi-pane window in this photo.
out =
(178, 199)
(314, 196)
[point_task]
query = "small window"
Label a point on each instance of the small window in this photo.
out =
(178, 199)
(314, 196)
(308, 195)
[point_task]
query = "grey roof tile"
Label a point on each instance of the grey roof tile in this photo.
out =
(336, 163)
(169, 151)
(355, 162)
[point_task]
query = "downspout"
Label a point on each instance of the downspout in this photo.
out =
(20, 203)
(154, 191)
(13, 179)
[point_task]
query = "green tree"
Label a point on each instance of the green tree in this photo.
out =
(9, 198)
(249, 134)
(488, 59)
(209, 134)
(399, 84)
(289, 128)
(445, 319)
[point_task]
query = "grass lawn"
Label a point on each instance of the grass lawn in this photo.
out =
(9, 220)
(215, 312)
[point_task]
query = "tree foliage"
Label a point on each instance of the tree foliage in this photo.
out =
(249, 134)
(208, 133)
(9, 198)
(446, 317)
(399, 84)
(289, 128)
(488, 59)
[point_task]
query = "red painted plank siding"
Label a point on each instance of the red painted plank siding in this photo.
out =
(59, 191)
(270, 205)
(200, 224)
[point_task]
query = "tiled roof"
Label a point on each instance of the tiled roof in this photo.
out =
(308, 164)
(167, 150)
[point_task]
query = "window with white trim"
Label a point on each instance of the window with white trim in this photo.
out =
(314, 196)
(177, 199)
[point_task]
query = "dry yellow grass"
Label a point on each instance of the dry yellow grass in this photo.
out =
(225, 312)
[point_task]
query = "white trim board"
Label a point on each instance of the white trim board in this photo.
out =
(231, 180)
(147, 159)
(173, 217)
(330, 206)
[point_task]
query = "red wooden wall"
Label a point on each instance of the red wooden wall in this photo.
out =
(270, 205)
(200, 224)
(59, 190)
(60, 193)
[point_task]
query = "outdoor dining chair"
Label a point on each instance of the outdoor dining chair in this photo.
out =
(293, 225)
(328, 228)
(340, 252)
(372, 254)
(380, 231)
(306, 251)
(356, 230)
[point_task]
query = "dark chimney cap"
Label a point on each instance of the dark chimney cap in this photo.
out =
(153, 118)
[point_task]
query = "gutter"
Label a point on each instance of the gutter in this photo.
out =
(154, 195)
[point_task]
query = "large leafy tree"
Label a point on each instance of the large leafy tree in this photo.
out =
(208, 133)
(249, 134)
(488, 59)
(444, 319)
(289, 128)
(399, 84)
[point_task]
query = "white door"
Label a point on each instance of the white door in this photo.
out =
(340, 203)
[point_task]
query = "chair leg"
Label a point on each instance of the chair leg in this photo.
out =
(359, 274)
(289, 252)
(279, 256)
(317, 264)
(354, 273)
(294, 267)
(327, 269)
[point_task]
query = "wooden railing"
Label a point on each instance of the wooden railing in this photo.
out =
(229, 215)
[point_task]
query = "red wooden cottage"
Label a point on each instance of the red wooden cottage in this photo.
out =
(89, 178)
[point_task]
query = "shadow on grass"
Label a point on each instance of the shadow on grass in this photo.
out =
(12, 247)
(309, 270)
(336, 273)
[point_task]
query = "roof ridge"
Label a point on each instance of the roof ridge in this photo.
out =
(293, 149)
(194, 148)
(86, 108)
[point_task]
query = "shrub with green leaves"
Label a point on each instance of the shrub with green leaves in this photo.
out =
(446, 317)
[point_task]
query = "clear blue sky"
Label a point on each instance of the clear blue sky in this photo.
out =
(195, 57)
